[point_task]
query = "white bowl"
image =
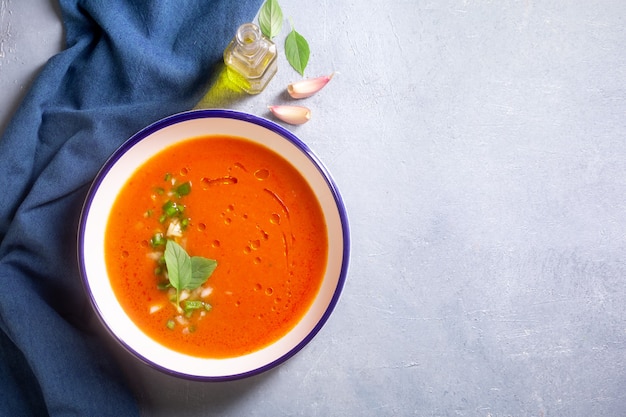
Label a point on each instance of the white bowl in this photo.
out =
(121, 166)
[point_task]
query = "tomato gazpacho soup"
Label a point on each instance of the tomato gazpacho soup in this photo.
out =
(216, 247)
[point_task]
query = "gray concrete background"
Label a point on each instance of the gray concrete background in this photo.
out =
(480, 149)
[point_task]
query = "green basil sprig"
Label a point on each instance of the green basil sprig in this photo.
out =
(186, 272)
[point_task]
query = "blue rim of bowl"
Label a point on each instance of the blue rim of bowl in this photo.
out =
(228, 114)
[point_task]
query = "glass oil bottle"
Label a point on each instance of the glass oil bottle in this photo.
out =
(251, 59)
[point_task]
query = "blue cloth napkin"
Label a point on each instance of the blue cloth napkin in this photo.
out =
(126, 64)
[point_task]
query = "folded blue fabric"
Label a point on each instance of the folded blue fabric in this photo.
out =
(126, 64)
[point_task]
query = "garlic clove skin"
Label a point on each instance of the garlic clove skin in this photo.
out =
(295, 115)
(306, 88)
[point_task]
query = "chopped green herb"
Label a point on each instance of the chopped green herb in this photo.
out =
(183, 189)
(157, 240)
(170, 324)
(170, 208)
(167, 177)
(192, 305)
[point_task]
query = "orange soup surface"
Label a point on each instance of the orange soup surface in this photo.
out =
(245, 207)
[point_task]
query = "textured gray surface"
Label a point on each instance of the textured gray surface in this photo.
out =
(30, 32)
(480, 149)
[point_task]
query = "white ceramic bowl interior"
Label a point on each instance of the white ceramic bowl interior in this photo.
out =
(121, 166)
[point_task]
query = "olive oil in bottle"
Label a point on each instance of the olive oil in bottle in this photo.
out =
(251, 59)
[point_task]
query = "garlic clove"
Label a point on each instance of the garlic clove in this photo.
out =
(306, 88)
(295, 115)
